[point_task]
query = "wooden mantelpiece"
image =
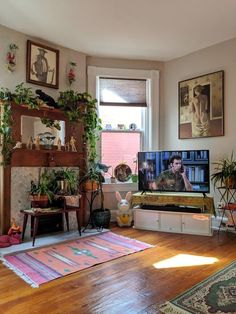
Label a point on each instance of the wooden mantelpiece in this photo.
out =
(23, 157)
(45, 158)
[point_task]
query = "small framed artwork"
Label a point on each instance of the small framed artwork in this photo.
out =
(201, 106)
(42, 65)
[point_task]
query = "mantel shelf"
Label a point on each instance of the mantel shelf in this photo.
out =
(23, 157)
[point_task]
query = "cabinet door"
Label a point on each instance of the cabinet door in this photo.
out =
(145, 219)
(170, 222)
(196, 224)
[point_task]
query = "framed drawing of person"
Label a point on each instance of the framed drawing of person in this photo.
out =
(42, 65)
(201, 106)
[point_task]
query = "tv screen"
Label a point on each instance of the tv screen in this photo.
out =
(176, 171)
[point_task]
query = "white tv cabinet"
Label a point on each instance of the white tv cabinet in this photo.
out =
(178, 222)
(172, 221)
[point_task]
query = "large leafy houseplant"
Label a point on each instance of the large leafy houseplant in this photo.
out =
(224, 172)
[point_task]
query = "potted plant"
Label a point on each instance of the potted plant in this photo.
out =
(66, 182)
(41, 194)
(100, 217)
(225, 172)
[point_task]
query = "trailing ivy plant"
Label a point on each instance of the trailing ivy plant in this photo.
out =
(49, 123)
(6, 125)
(24, 95)
(81, 107)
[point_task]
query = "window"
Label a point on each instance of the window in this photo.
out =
(125, 97)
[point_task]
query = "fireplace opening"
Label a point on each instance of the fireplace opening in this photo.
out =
(48, 224)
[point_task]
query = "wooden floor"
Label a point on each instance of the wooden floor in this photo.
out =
(129, 284)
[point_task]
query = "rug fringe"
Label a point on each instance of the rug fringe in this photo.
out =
(169, 307)
(21, 274)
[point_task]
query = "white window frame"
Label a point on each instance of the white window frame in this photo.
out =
(151, 132)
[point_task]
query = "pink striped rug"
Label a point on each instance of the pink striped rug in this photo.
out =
(41, 265)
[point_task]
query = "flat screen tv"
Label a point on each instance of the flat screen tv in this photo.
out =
(175, 171)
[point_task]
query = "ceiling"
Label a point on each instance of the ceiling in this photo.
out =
(133, 29)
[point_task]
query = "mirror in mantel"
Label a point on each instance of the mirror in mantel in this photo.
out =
(33, 126)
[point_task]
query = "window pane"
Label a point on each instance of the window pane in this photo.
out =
(122, 91)
(118, 147)
(121, 115)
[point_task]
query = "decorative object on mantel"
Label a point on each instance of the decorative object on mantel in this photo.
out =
(72, 144)
(59, 144)
(18, 145)
(37, 142)
(71, 76)
(30, 143)
(11, 58)
(47, 139)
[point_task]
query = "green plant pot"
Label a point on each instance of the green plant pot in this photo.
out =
(101, 219)
(134, 178)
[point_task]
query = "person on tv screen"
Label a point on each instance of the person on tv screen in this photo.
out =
(173, 179)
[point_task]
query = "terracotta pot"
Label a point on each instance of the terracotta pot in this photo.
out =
(91, 185)
(39, 201)
(230, 183)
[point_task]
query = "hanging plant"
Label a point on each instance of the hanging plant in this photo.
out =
(11, 58)
(6, 125)
(81, 107)
(51, 123)
(71, 76)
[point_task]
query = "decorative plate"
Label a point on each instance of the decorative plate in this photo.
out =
(122, 172)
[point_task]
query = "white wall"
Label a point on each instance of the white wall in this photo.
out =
(218, 57)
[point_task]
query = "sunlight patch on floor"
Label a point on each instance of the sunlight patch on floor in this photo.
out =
(184, 260)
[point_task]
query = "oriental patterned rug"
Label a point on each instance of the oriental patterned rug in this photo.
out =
(41, 265)
(216, 294)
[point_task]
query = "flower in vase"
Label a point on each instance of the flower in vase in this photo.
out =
(71, 73)
(11, 58)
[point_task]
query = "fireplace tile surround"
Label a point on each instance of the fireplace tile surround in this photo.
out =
(21, 178)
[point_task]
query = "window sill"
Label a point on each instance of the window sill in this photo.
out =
(120, 186)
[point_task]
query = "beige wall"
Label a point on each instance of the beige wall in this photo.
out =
(218, 57)
(10, 80)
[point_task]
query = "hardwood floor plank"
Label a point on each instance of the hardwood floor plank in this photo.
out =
(126, 285)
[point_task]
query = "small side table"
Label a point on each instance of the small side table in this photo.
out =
(46, 212)
(228, 197)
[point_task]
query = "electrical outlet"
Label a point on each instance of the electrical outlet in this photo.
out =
(220, 204)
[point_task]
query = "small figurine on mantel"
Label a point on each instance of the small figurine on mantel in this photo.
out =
(29, 144)
(72, 144)
(67, 147)
(59, 144)
(37, 143)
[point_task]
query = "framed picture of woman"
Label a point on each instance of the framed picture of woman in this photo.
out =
(201, 106)
(42, 65)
